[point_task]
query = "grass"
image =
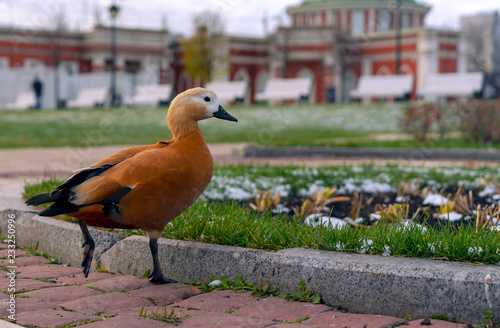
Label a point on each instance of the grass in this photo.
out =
(342, 125)
(260, 125)
(234, 224)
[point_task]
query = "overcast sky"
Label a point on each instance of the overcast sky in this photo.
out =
(242, 17)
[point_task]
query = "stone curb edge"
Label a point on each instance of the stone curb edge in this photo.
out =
(361, 283)
(408, 154)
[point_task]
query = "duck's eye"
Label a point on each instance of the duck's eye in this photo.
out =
(207, 99)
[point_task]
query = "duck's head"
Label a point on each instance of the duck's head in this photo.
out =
(197, 104)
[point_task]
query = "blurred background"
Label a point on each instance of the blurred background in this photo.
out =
(71, 46)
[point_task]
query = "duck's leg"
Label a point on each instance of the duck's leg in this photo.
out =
(88, 248)
(157, 276)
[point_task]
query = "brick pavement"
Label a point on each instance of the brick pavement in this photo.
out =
(54, 295)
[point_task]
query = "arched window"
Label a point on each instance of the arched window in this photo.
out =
(262, 78)
(406, 70)
(350, 81)
(242, 75)
(384, 70)
(305, 72)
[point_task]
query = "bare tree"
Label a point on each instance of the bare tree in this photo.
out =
(476, 49)
(203, 52)
(345, 46)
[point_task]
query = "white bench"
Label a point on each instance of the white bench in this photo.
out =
(151, 95)
(451, 85)
(383, 86)
(229, 92)
(277, 90)
(24, 100)
(89, 98)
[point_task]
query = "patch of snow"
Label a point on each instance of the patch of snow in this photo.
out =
(412, 225)
(281, 209)
(496, 197)
(435, 199)
(488, 191)
(367, 243)
(326, 221)
(387, 251)
(452, 216)
(375, 217)
(475, 250)
(215, 283)
(401, 199)
(357, 221)
(367, 185)
(317, 186)
(238, 193)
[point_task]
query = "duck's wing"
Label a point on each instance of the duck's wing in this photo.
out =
(66, 196)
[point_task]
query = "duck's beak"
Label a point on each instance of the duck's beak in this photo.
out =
(223, 115)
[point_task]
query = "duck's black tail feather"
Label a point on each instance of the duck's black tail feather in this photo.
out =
(60, 207)
(41, 199)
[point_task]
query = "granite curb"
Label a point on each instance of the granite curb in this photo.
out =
(361, 283)
(361, 152)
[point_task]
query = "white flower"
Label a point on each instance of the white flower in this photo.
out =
(387, 251)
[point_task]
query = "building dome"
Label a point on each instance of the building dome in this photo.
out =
(357, 16)
(313, 2)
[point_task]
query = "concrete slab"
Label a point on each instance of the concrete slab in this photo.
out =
(361, 283)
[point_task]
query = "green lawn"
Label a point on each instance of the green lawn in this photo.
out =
(258, 125)
(234, 223)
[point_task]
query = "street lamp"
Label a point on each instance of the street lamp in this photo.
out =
(398, 36)
(113, 12)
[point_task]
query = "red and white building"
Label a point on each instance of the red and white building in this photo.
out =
(306, 48)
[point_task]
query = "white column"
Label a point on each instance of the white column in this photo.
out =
(427, 55)
(371, 20)
(366, 66)
(462, 54)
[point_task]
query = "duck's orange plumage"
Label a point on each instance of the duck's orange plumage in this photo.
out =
(144, 187)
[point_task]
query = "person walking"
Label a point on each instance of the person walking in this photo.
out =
(37, 86)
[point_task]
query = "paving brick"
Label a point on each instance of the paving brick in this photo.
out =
(105, 302)
(217, 301)
(62, 294)
(167, 294)
(275, 308)
(26, 261)
(224, 320)
(45, 271)
(50, 318)
(351, 320)
(3, 245)
(127, 322)
(27, 284)
(180, 313)
(18, 252)
(291, 325)
(434, 324)
(78, 279)
(26, 305)
(121, 283)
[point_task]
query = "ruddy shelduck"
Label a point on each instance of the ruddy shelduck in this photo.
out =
(143, 187)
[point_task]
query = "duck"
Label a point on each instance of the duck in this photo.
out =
(143, 187)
